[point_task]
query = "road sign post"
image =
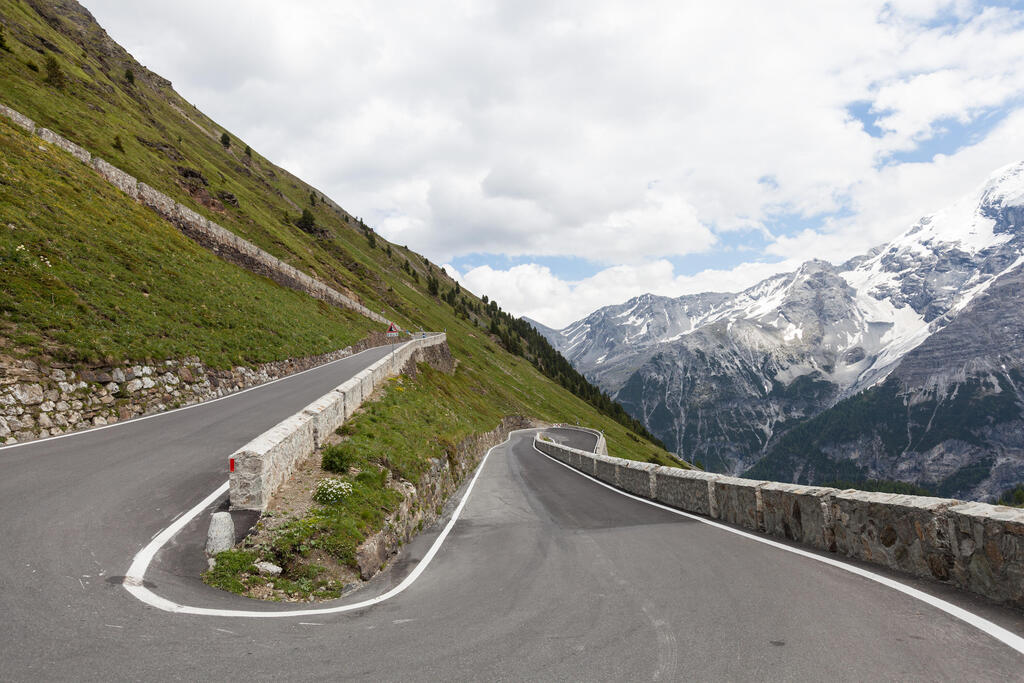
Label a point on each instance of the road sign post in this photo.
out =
(392, 334)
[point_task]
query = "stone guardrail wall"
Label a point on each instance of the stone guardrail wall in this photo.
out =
(206, 233)
(973, 546)
(264, 463)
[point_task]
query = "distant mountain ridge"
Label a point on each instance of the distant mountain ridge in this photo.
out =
(934, 316)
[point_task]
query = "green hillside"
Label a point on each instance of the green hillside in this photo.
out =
(123, 284)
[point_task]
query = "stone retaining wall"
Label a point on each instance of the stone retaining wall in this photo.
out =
(208, 234)
(37, 401)
(262, 464)
(973, 546)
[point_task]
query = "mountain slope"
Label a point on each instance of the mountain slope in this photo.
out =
(949, 416)
(719, 377)
(126, 286)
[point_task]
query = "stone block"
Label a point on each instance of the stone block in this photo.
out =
(687, 490)
(18, 118)
(366, 378)
(584, 462)
(327, 413)
(116, 177)
(65, 144)
(551, 449)
(606, 469)
(189, 219)
(908, 533)
(156, 200)
(799, 513)
(266, 461)
(987, 542)
(352, 390)
(221, 534)
(738, 501)
(637, 478)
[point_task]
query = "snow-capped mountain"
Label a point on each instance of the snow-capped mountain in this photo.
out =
(719, 377)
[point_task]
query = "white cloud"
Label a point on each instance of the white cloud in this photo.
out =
(623, 132)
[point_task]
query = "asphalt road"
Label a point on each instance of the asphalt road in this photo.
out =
(545, 576)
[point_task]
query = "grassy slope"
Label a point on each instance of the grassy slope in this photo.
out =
(124, 284)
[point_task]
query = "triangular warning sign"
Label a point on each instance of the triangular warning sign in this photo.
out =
(392, 328)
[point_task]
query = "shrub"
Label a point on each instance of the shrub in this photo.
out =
(312, 199)
(32, 66)
(117, 143)
(129, 77)
(331, 491)
(306, 222)
(248, 151)
(335, 459)
(225, 140)
(54, 74)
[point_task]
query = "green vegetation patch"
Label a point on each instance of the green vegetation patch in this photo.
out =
(1013, 497)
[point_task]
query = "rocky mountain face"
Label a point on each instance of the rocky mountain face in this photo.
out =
(904, 363)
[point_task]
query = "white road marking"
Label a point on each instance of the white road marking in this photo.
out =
(188, 407)
(133, 580)
(998, 632)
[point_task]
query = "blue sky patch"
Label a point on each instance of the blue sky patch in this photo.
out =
(952, 136)
(861, 110)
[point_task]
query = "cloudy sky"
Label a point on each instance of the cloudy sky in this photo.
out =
(561, 156)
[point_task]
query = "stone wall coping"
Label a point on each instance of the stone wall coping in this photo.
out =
(902, 500)
(274, 436)
(664, 471)
(798, 489)
(986, 512)
(637, 465)
(324, 402)
(739, 482)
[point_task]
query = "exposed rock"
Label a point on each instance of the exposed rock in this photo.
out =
(267, 568)
(28, 394)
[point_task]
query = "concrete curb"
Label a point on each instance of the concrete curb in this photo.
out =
(974, 546)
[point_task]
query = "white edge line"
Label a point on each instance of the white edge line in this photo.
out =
(90, 430)
(133, 580)
(998, 632)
